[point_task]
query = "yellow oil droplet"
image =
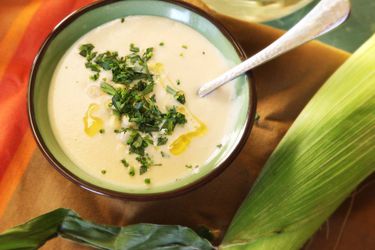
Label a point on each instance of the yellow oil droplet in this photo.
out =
(179, 145)
(92, 124)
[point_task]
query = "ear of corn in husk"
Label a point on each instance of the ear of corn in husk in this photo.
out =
(327, 152)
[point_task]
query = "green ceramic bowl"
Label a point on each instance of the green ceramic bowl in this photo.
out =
(88, 18)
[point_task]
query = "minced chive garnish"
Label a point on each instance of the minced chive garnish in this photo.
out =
(103, 171)
(94, 77)
(86, 49)
(188, 166)
(161, 44)
(162, 140)
(134, 101)
(125, 163)
(102, 131)
(163, 154)
(219, 145)
(132, 171)
(177, 94)
(148, 181)
(122, 19)
(184, 46)
(178, 82)
(181, 54)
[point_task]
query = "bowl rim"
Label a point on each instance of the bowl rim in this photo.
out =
(250, 116)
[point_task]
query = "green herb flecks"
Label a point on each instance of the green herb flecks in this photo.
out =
(146, 162)
(86, 49)
(162, 140)
(95, 76)
(219, 145)
(132, 171)
(184, 46)
(125, 163)
(124, 70)
(177, 94)
(138, 143)
(131, 89)
(188, 166)
(161, 44)
(148, 181)
(103, 171)
(172, 118)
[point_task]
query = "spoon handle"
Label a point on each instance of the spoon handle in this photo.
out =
(327, 15)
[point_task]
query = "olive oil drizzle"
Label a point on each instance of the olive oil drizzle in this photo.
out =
(92, 124)
(179, 145)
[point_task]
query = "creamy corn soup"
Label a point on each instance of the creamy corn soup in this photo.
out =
(123, 103)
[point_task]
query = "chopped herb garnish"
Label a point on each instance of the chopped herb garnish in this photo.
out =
(125, 163)
(134, 100)
(188, 166)
(95, 76)
(86, 49)
(184, 46)
(102, 131)
(131, 171)
(143, 169)
(133, 48)
(161, 44)
(180, 97)
(121, 130)
(107, 88)
(172, 118)
(178, 82)
(146, 162)
(257, 117)
(92, 66)
(181, 54)
(122, 19)
(103, 171)
(163, 154)
(162, 140)
(137, 143)
(177, 94)
(148, 181)
(219, 145)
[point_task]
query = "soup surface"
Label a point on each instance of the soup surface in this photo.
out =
(123, 103)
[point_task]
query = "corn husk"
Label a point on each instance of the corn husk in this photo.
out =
(327, 152)
(69, 225)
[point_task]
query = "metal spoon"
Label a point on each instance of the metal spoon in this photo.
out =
(326, 15)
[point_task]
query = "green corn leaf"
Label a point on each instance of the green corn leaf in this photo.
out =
(327, 152)
(34, 233)
(67, 224)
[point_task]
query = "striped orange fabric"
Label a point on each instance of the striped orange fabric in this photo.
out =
(23, 27)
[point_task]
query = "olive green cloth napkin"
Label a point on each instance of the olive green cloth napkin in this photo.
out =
(284, 86)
